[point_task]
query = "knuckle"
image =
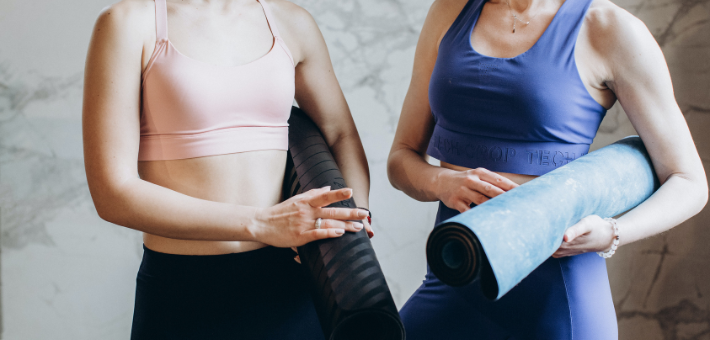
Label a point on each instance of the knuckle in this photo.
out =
(303, 213)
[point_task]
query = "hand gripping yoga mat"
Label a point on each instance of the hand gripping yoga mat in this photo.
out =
(350, 293)
(504, 239)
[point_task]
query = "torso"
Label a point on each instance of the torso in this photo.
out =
(252, 178)
(492, 36)
(227, 37)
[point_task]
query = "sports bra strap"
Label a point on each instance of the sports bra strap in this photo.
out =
(269, 20)
(161, 20)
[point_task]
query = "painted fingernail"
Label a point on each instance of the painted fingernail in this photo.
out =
(345, 193)
(358, 226)
(339, 231)
(361, 213)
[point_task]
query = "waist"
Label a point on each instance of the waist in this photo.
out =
(191, 267)
(516, 178)
(501, 155)
(210, 143)
(250, 178)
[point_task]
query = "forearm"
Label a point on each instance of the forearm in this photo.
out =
(410, 173)
(676, 200)
(351, 159)
(156, 210)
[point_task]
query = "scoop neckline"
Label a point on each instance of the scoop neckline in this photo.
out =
(544, 34)
(273, 47)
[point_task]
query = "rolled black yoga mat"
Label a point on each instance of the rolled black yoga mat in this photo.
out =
(504, 239)
(350, 293)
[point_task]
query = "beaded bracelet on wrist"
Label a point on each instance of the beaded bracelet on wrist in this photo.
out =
(615, 244)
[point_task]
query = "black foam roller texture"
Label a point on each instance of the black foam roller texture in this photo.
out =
(349, 290)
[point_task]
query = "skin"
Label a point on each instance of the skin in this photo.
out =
(617, 58)
(215, 204)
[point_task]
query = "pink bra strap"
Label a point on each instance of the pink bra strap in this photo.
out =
(267, 13)
(161, 20)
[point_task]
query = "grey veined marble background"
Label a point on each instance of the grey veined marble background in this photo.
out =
(66, 274)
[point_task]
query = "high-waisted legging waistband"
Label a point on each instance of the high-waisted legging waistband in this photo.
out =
(259, 294)
(260, 260)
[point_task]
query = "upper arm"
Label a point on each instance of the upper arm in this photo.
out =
(111, 108)
(642, 83)
(317, 90)
(416, 122)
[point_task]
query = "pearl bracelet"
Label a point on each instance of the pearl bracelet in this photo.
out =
(607, 254)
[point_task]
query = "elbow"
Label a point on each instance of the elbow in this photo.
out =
(703, 191)
(102, 204)
(697, 190)
(106, 202)
(701, 199)
(391, 172)
(700, 184)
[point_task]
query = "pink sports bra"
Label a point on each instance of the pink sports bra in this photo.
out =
(193, 109)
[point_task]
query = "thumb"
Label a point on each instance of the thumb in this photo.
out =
(579, 229)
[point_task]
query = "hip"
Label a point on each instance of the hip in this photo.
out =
(259, 294)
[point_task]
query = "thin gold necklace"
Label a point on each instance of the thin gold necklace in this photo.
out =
(515, 17)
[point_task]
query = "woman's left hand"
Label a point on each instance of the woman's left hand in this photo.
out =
(591, 234)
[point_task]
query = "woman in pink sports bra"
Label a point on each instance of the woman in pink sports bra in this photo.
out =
(185, 135)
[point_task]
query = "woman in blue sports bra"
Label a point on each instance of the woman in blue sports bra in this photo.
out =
(533, 79)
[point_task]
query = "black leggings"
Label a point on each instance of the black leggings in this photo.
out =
(260, 294)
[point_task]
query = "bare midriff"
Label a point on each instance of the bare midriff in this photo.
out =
(253, 178)
(517, 178)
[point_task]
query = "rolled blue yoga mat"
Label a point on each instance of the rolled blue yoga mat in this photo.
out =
(504, 239)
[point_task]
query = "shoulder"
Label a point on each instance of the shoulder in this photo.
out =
(294, 18)
(441, 16)
(125, 11)
(444, 12)
(126, 19)
(625, 46)
(613, 30)
(447, 7)
(298, 28)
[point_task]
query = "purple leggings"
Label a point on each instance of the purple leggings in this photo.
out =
(566, 298)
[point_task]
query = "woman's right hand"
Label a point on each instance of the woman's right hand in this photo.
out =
(458, 189)
(291, 223)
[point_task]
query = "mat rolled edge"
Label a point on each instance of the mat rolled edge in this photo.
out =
(348, 286)
(607, 182)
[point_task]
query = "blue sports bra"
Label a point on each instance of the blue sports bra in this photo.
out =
(528, 114)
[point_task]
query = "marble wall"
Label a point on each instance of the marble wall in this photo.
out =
(66, 274)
